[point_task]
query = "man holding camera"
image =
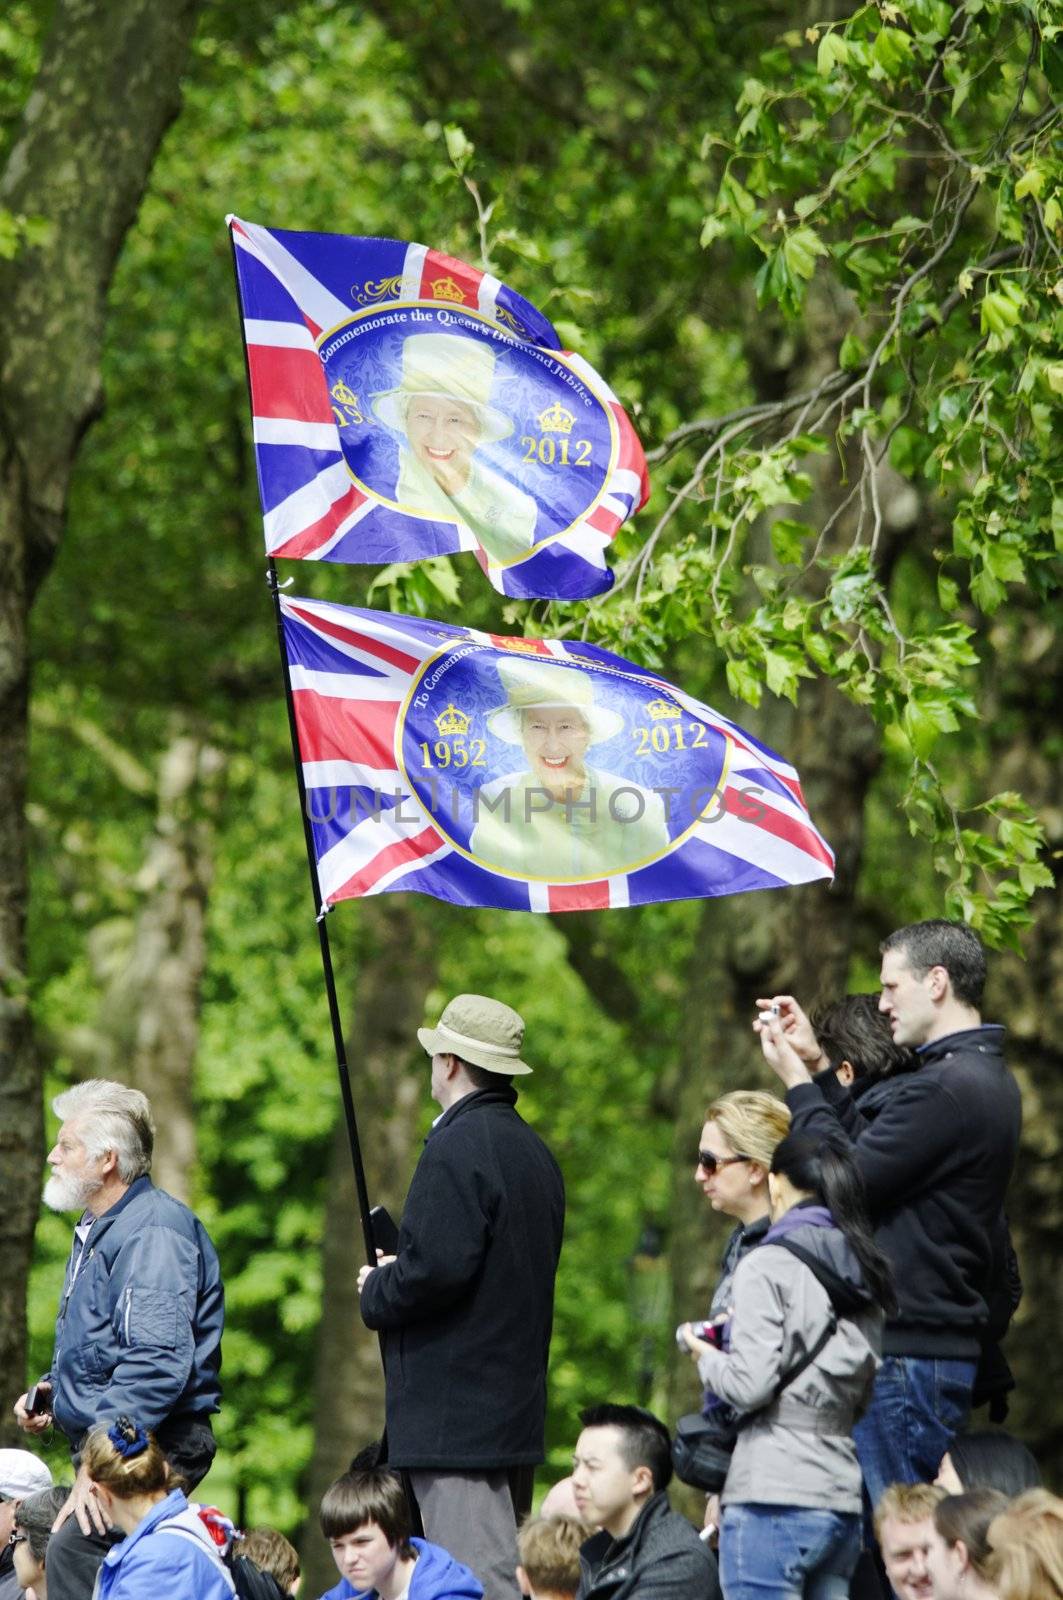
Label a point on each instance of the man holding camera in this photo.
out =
(936, 1162)
(140, 1316)
(466, 1304)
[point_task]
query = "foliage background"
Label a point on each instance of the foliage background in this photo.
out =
(721, 206)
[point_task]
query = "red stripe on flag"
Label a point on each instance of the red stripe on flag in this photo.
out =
(443, 271)
(632, 457)
(362, 641)
(578, 896)
(288, 383)
(754, 809)
(331, 729)
(307, 540)
(522, 647)
(396, 855)
(603, 521)
(312, 325)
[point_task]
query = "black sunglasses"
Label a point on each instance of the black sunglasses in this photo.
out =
(713, 1163)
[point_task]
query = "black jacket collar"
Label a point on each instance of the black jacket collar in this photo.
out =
(988, 1040)
(504, 1095)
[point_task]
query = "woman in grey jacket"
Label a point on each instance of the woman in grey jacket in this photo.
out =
(799, 1364)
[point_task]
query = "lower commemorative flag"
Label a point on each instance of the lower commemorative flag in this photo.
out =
(407, 405)
(528, 774)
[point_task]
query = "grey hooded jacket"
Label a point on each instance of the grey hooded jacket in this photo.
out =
(798, 1449)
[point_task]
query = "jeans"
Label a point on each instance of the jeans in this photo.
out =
(787, 1552)
(918, 1403)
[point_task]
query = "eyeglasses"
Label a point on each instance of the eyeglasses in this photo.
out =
(16, 1536)
(713, 1163)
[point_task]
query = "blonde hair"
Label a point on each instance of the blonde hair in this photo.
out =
(907, 1502)
(1025, 1559)
(127, 1476)
(752, 1122)
(549, 1553)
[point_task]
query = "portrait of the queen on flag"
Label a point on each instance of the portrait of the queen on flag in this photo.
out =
(407, 405)
(527, 774)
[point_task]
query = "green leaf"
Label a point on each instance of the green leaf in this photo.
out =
(787, 539)
(459, 147)
(833, 52)
(744, 681)
(800, 249)
(712, 228)
(1031, 182)
(853, 353)
(892, 51)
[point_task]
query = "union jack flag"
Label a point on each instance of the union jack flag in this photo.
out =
(356, 348)
(526, 774)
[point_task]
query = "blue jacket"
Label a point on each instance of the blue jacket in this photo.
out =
(436, 1576)
(179, 1561)
(139, 1328)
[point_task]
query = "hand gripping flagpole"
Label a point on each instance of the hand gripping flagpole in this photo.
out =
(346, 1093)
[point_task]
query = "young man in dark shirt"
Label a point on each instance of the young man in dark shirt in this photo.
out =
(936, 1161)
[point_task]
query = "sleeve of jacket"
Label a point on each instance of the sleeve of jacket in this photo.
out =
(745, 1376)
(916, 1129)
(154, 1284)
(446, 1229)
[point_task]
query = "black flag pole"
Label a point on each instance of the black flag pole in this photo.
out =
(338, 1040)
(342, 1067)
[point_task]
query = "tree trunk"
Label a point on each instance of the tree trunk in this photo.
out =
(151, 968)
(107, 89)
(390, 1081)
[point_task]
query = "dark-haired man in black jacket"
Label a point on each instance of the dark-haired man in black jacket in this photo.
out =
(936, 1161)
(466, 1305)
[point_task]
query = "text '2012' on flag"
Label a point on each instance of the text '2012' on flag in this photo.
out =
(526, 774)
(407, 405)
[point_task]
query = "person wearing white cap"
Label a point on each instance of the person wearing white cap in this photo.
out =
(561, 818)
(21, 1474)
(441, 413)
(465, 1306)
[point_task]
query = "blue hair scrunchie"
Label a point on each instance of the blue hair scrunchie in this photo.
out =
(128, 1437)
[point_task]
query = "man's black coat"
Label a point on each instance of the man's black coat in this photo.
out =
(466, 1308)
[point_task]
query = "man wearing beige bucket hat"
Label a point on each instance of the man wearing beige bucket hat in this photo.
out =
(440, 409)
(561, 818)
(465, 1306)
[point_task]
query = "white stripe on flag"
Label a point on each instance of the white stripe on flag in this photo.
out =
(306, 505)
(285, 430)
(278, 335)
(343, 528)
(365, 841)
(593, 379)
(372, 626)
(309, 294)
(746, 842)
(539, 896)
(347, 685)
(412, 271)
(487, 296)
(625, 482)
(350, 775)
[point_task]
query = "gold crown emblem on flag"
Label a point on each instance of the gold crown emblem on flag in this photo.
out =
(446, 289)
(555, 419)
(663, 711)
(451, 721)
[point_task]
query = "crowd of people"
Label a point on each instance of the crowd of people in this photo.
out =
(857, 1321)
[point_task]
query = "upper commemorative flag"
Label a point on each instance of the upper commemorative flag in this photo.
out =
(527, 774)
(406, 405)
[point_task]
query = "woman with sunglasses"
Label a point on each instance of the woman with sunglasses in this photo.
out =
(29, 1536)
(735, 1152)
(805, 1334)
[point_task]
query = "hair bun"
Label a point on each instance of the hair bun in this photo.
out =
(128, 1437)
